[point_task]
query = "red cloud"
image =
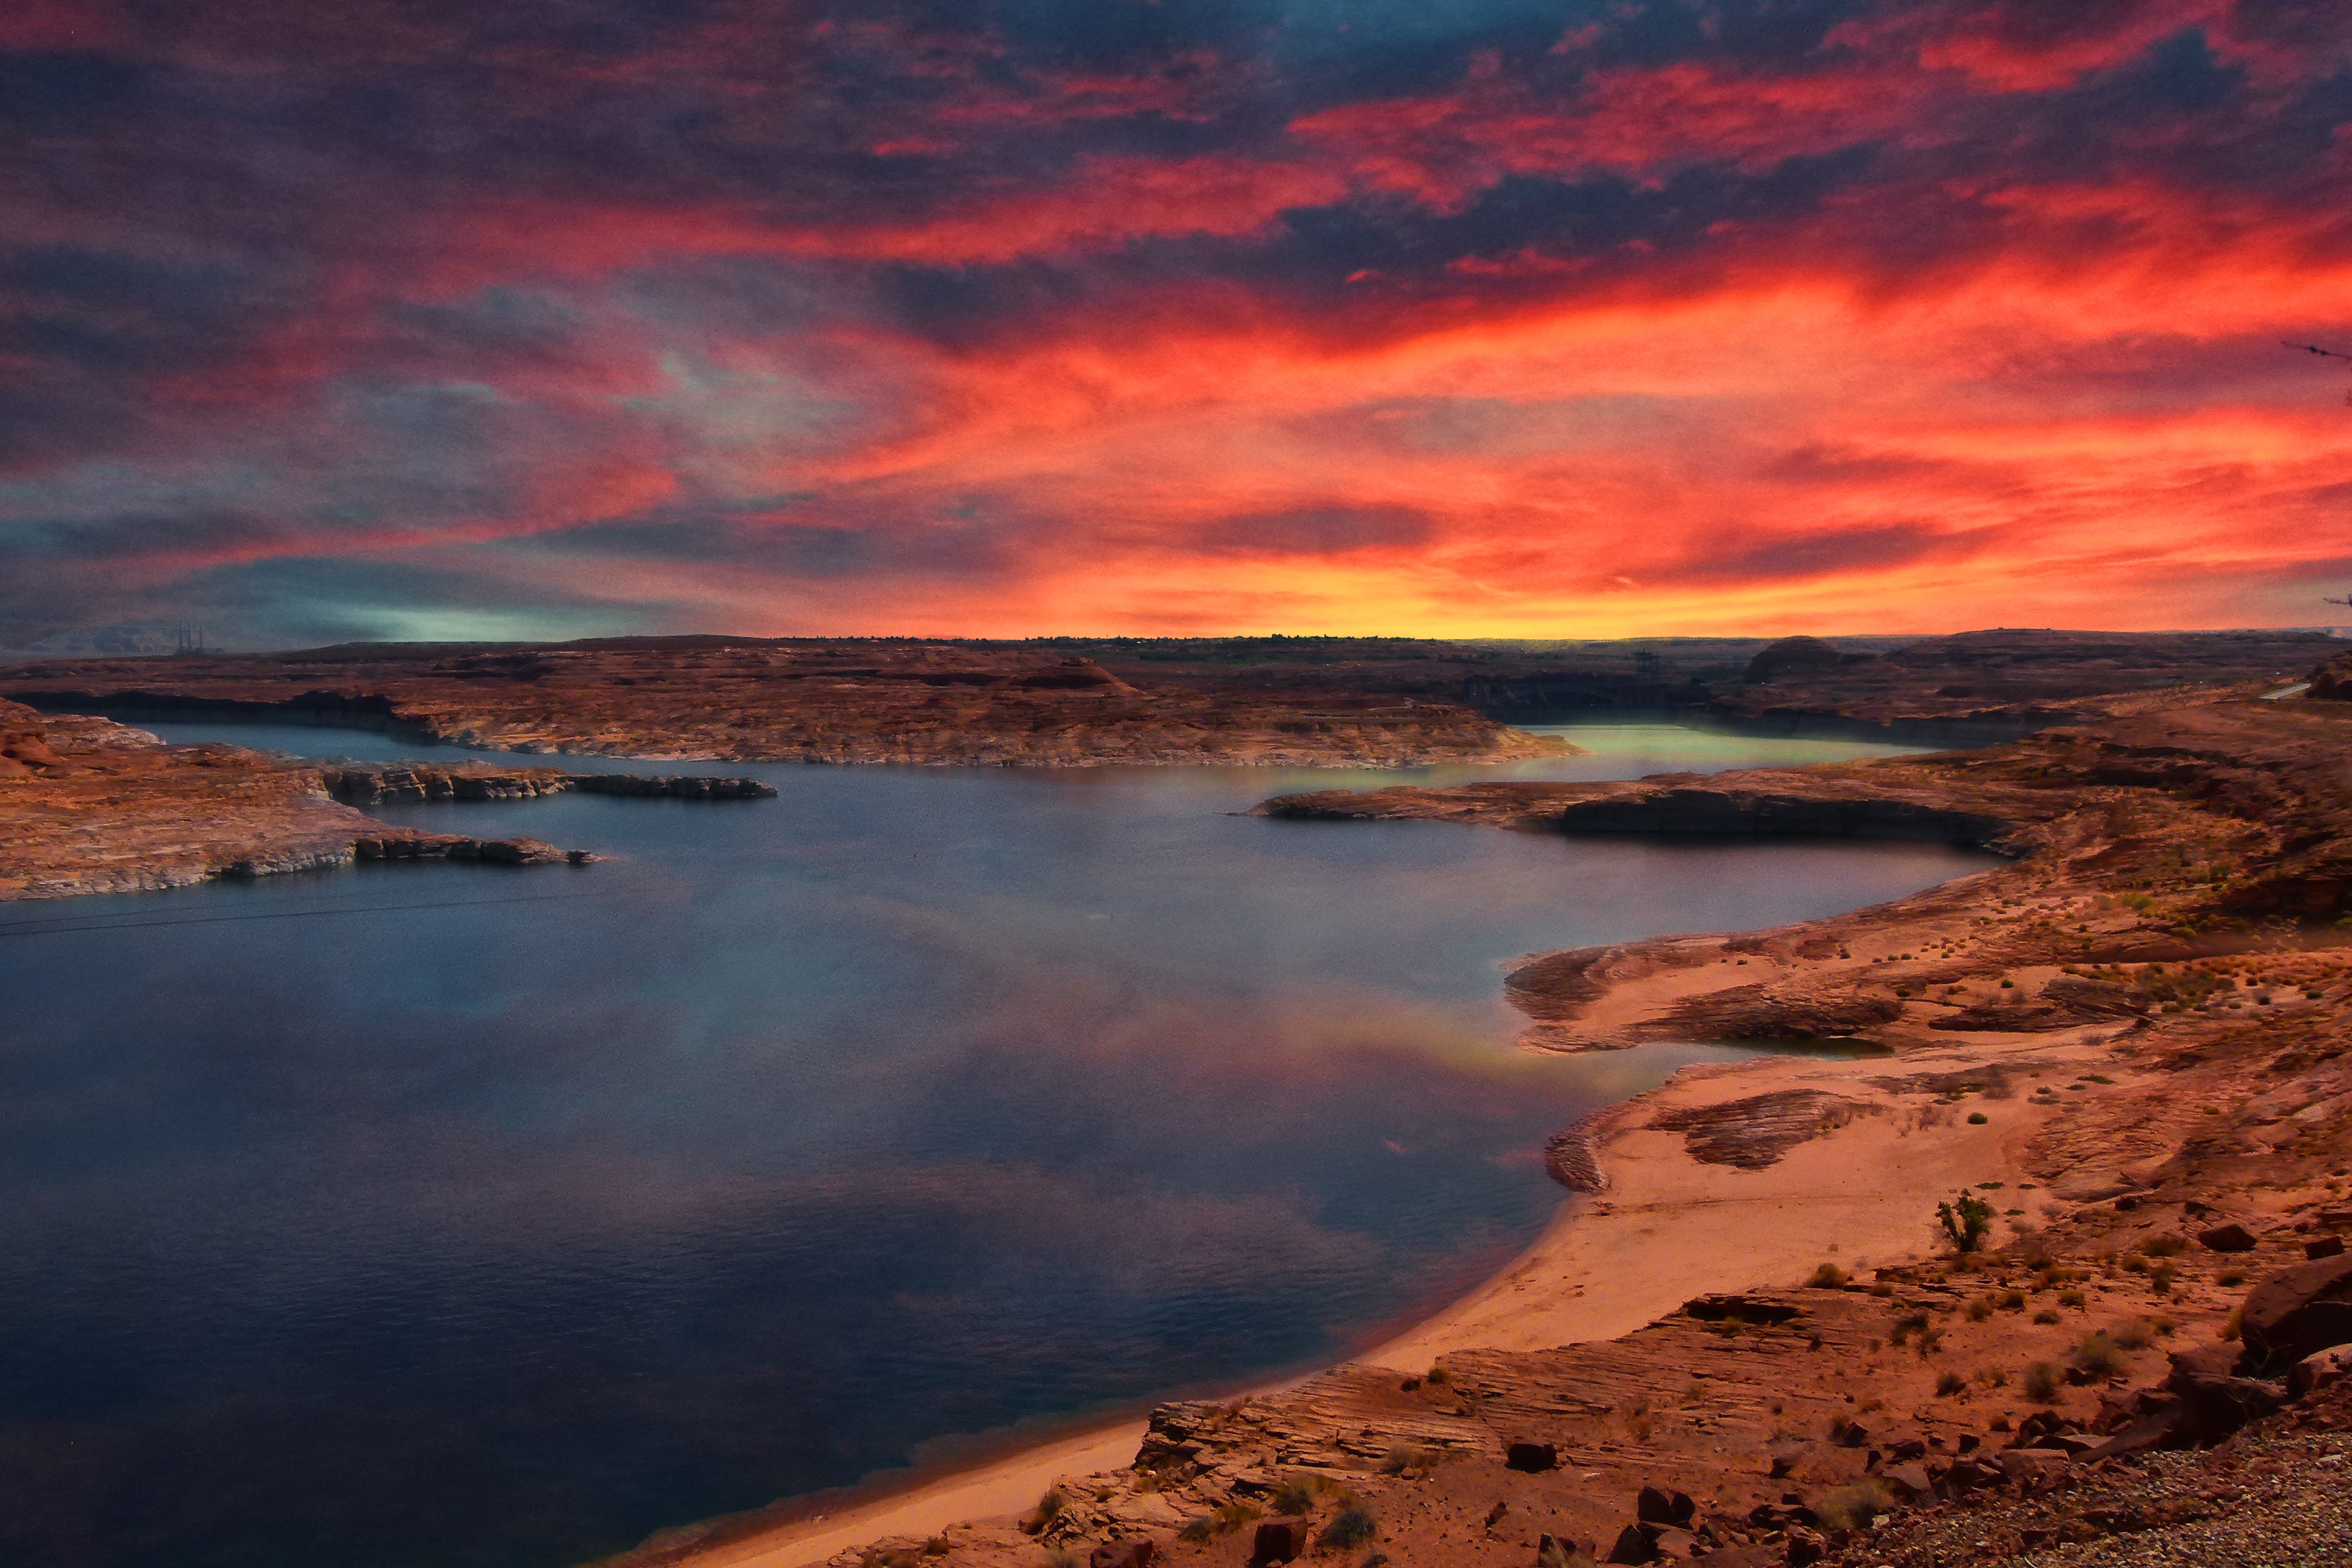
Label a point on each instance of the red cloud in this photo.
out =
(1442, 149)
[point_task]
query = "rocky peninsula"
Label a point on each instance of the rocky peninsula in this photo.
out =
(2044, 1262)
(88, 805)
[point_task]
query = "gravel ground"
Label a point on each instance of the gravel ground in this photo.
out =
(2276, 1499)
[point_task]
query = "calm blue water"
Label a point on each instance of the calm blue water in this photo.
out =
(447, 1216)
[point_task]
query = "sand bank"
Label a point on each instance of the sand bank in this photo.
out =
(1668, 1227)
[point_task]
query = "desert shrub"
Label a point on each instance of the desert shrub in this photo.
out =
(2099, 1355)
(2137, 1334)
(2011, 1301)
(1965, 1221)
(1855, 1504)
(2070, 1299)
(1828, 1277)
(1950, 1384)
(1559, 1555)
(1294, 1495)
(1351, 1526)
(1977, 1118)
(1401, 1460)
(2229, 1325)
(2230, 1277)
(1049, 1509)
(1197, 1530)
(2164, 1246)
(1907, 1325)
(1436, 1375)
(2160, 1277)
(2041, 1382)
(2045, 1316)
(1640, 1427)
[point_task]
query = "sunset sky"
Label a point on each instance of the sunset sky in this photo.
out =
(558, 318)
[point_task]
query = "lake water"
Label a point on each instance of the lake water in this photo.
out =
(433, 1217)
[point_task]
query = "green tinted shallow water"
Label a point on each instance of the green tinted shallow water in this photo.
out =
(451, 1215)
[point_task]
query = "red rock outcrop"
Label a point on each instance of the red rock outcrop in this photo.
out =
(95, 808)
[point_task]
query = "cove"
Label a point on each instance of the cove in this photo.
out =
(451, 1215)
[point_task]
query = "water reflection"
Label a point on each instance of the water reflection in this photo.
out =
(909, 1103)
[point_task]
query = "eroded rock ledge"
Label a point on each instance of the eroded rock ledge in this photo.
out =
(714, 698)
(88, 805)
(2143, 846)
(369, 784)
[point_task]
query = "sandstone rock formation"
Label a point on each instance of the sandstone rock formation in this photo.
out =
(2146, 846)
(95, 807)
(867, 700)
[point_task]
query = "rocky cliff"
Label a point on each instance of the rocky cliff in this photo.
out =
(88, 805)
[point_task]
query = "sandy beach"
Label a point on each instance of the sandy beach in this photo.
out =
(1668, 1228)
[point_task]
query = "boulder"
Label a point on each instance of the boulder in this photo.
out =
(1806, 1546)
(1533, 1458)
(2036, 1428)
(2034, 1467)
(1910, 1480)
(2215, 1401)
(2296, 1311)
(1672, 1545)
(2160, 1429)
(1967, 1475)
(1632, 1546)
(2228, 1238)
(2319, 1369)
(1656, 1507)
(1278, 1541)
(2324, 1247)
(1135, 1553)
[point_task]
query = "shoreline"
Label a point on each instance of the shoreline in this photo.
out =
(2098, 960)
(1566, 1286)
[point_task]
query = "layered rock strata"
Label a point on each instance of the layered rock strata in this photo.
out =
(91, 806)
(369, 784)
(749, 700)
